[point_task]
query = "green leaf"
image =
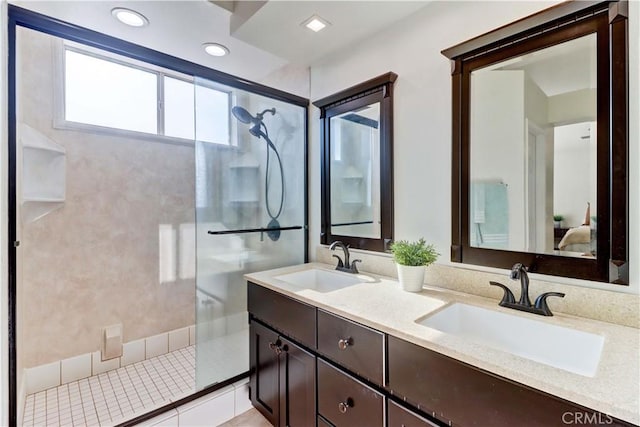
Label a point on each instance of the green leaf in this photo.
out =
(413, 253)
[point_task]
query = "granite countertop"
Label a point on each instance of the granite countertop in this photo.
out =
(380, 303)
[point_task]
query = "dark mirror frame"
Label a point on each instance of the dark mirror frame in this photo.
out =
(552, 26)
(378, 89)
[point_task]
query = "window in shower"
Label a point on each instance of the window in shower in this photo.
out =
(137, 99)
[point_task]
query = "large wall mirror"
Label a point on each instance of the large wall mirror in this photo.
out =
(357, 178)
(540, 144)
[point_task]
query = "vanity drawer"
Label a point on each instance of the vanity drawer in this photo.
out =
(356, 347)
(463, 395)
(294, 319)
(346, 402)
(401, 417)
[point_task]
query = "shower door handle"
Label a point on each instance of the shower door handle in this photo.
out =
(253, 230)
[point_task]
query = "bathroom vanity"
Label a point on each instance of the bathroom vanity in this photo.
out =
(360, 354)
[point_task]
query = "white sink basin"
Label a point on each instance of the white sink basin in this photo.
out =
(569, 349)
(322, 280)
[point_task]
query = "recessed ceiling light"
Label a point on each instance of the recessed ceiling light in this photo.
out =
(215, 49)
(129, 17)
(315, 23)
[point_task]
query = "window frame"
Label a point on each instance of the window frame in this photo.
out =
(59, 113)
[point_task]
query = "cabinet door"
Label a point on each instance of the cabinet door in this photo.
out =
(265, 392)
(297, 386)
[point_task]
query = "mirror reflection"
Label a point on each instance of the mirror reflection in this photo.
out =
(533, 168)
(355, 172)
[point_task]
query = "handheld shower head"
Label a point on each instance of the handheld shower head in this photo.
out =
(255, 131)
(245, 117)
(242, 115)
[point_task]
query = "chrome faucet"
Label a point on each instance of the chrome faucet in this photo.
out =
(519, 271)
(346, 265)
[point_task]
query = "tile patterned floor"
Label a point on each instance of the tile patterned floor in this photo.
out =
(115, 396)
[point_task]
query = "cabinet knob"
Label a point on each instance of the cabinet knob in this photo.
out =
(344, 343)
(344, 406)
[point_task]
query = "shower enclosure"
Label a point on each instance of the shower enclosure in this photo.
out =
(250, 214)
(143, 194)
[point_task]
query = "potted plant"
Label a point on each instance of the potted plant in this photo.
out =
(557, 220)
(412, 258)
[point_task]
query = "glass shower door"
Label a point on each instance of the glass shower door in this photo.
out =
(250, 213)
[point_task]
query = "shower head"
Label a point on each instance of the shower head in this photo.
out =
(242, 115)
(245, 117)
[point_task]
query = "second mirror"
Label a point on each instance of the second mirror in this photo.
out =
(357, 178)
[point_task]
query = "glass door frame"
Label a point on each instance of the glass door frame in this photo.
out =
(20, 17)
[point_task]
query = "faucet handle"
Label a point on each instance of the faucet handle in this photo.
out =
(541, 302)
(508, 297)
(354, 269)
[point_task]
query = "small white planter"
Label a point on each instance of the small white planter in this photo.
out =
(411, 277)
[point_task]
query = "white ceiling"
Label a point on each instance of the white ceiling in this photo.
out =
(275, 26)
(562, 68)
(264, 40)
(176, 27)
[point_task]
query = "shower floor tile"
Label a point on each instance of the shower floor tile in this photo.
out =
(115, 396)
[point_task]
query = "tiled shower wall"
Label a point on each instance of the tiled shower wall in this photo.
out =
(127, 217)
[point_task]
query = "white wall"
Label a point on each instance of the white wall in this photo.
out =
(422, 116)
(574, 173)
(498, 97)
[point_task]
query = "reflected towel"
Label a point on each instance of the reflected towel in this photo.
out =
(580, 234)
(477, 201)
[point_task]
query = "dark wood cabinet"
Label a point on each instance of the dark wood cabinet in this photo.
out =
(397, 416)
(297, 386)
(283, 378)
(323, 423)
(356, 347)
(345, 401)
(357, 372)
(264, 366)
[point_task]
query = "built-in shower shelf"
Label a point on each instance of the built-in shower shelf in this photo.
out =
(43, 174)
(43, 199)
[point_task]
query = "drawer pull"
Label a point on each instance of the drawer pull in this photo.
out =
(344, 343)
(344, 406)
